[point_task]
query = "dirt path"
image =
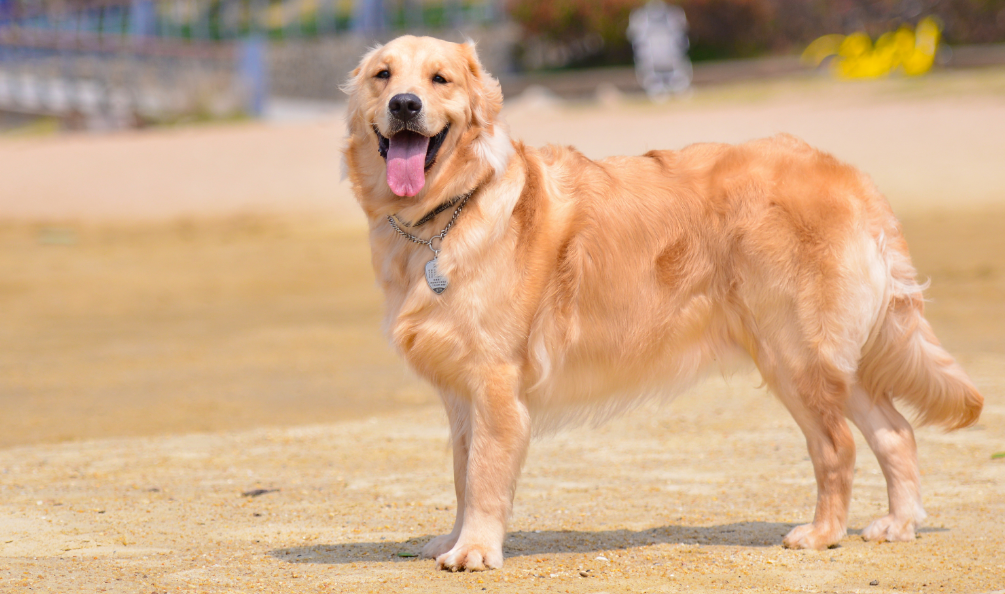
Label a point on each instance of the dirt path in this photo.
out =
(923, 140)
(694, 497)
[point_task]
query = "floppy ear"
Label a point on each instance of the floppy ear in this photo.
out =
(351, 87)
(486, 94)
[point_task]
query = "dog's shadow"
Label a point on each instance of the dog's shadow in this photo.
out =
(753, 534)
(518, 544)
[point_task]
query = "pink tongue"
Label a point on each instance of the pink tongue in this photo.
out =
(406, 160)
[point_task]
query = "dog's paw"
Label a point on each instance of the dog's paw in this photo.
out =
(890, 529)
(470, 557)
(439, 545)
(811, 536)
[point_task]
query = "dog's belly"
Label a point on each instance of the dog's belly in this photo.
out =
(636, 350)
(619, 382)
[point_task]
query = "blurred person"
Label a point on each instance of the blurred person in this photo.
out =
(659, 40)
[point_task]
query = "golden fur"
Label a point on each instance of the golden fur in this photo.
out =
(579, 286)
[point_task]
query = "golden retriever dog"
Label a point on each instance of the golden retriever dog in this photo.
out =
(533, 287)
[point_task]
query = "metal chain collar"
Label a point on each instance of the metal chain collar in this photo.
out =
(429, 242)
(432, 214)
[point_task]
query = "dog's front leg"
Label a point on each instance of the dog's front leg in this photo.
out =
(498, 434)
(459, 415)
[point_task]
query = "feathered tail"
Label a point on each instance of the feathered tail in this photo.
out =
(905, 361)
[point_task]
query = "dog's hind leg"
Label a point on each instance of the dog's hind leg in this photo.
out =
(458, 413)
(892, 440)
(816, 400)
(498, 435)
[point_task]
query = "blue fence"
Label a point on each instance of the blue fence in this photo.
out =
(220, 20)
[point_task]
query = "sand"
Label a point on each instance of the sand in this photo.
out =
(189, 315)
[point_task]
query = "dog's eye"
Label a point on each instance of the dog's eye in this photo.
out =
(439, 79)
(385, 73)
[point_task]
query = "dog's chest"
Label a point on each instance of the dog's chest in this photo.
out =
(431, 340)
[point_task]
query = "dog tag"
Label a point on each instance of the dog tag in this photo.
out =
(436, 281)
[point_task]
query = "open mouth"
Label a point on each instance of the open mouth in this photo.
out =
(409, 155)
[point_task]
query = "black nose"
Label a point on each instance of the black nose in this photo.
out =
(405, 106)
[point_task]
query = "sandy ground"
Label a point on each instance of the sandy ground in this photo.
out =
(189, 315)
(693, 497)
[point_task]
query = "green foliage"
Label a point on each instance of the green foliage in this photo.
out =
(562, 20)
(742, 28)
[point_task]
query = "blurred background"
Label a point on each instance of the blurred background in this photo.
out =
(111, 64)
(178, 253)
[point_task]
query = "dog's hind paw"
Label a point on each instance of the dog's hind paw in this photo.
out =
(890, 529)
(811, 536)
(471, 558)
(439, 545)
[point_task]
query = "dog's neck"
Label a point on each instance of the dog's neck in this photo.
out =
(429, 216)
(491, 205)
(493, 150)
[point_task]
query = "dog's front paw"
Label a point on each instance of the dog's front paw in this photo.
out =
(890, 529)
(811, 536)
(471, 557)
(439, 545)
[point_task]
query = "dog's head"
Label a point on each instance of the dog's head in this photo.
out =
(422, 125)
